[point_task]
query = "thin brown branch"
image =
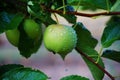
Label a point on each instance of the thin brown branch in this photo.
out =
(84, 14)
(91, 60)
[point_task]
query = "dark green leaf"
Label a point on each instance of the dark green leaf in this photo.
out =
(96, 72)
(84, 36)
(24, 74)
(5, 18)
(6, 68)
(46, 18)
(111, 32)
(112, 54)
(116, 6)
(15, 21)
(47, 3)
(28, 46)
(74, 77)
(86, 43)
(14, 6)
(10, 21)
(99, 4)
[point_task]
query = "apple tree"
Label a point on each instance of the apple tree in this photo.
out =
(22, 21)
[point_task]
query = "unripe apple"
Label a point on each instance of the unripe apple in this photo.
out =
(13, 36)
(32, 29)
(60, 38)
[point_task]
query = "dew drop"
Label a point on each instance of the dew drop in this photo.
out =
(61, 34)
(50, 30)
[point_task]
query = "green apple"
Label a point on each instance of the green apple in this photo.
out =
(32, 29)
(13, 36)
(60, 38)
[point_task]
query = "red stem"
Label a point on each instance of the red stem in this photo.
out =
(84, 14)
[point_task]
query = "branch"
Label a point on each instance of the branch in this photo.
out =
(91, 60)
(83, 14)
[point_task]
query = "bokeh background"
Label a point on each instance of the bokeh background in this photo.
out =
(53, 65)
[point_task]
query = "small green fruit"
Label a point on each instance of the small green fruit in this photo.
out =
(60, 38)
(32, 29)
(13, 36)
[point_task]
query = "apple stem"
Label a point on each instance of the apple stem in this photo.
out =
(74, 26)
(64, 10)
(108, 6)
(77, 6)
(56, 18)
(61, 7)
(99, 54)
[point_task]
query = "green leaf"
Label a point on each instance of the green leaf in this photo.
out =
(24, 74)
(116, 6)
(28, 46)
(5, 18)
(112, 54)
(74, 77)
(96, 72)
(9, 21)
(86, 43)
(84, 35)
(8, 67)
(111, 32)
(16, 20)
(99, 4)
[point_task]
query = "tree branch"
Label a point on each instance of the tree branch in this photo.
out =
(91, 60)
(83, 14)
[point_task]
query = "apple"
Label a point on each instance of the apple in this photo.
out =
(13, 36)
(60, 38)
(32, 29)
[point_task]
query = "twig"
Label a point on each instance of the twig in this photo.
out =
(17, 4)
(91, 60)
(83, 14)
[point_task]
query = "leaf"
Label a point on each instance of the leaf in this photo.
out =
(71, 18)
(24, 74)
(92, 4)
(84, 35)
(116, 6)
(74, 77)
(41, 14)
(96, 72)
(112, 54)
(111, 32)
(28, 46)
(5, 18)
(86, 43)
(15, 21)
(10, 21)
(8, 67)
